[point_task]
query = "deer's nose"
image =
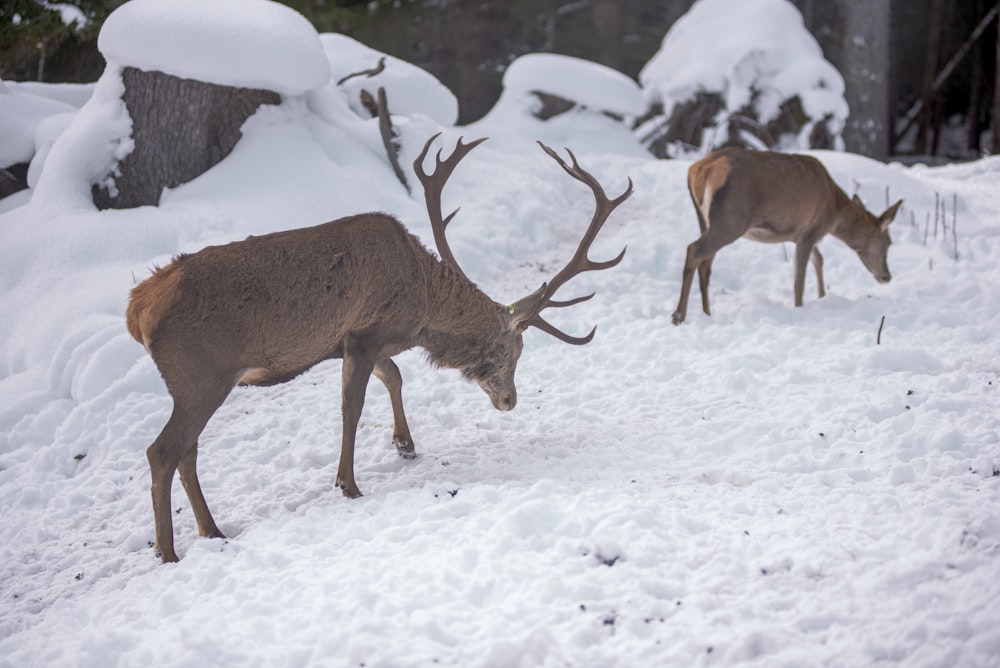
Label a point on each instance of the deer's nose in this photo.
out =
(505, 401)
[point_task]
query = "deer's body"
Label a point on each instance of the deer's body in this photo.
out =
(336, 281)
(362, 289)
(776, 197)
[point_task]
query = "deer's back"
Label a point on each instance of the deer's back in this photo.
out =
(278, 304)
(776, 196)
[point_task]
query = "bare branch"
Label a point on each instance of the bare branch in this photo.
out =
(365, 73)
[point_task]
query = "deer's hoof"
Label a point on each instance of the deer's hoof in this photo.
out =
(405, 449)
(167, 557)
(677, 318)
(350, 491)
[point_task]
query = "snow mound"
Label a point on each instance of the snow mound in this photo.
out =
(409, 89)
(767, 58)
(243, 43)
(20, 115)
(515, 120)
(581, 81)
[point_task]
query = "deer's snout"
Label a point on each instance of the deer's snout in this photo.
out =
(504, 401)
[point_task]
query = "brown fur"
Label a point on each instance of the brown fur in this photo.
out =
(775, 197)
(150, 300)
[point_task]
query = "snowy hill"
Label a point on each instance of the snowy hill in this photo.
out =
(766, 486)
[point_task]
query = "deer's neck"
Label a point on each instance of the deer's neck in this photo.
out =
(461, 318)
(849, 225)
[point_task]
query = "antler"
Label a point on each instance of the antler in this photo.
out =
(527, 309)
(433, 185)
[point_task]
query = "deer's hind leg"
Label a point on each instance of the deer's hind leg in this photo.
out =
(175, 449)
(700, 255)
(359, 363)
(387, 372)
(704, 276)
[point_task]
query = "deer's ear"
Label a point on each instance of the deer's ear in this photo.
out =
(889, 215)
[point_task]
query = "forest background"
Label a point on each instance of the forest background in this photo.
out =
(921, 75)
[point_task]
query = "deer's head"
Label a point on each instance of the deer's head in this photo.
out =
(490, 356)
(868, 236)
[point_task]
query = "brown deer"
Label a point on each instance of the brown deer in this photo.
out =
(263, 310)
(774, 197)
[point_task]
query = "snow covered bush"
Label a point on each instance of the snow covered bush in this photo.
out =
(746, 73)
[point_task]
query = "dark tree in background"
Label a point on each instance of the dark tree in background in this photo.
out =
(866, 77)
(35, 44)
(887, 50)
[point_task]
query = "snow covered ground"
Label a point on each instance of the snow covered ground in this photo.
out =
(768, 486)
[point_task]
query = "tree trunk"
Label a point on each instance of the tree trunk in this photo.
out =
(996, 95)
(930, 72)
(181, 128)
(866, 76)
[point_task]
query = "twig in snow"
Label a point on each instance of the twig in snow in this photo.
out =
(937, 202)
(878, 338)
(954, 222)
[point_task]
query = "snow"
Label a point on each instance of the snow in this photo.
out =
(70, 15)
(766, 486)
(590, 84)
(20, 115)
(86, 150)
(409, 89)
(755, 53)
(595, 89)
(243, 43)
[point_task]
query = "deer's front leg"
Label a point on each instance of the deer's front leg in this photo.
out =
(387, 372)
(358, 365)
(817, 260)
(803, 250)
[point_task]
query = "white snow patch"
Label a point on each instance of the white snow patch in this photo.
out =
(243, 43)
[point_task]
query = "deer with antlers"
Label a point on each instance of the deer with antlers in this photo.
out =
(263, 310)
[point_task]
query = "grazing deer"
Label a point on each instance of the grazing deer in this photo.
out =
(263, 310)
(774, 197)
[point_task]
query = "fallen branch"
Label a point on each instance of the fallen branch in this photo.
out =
(878, 338)
(365, 73)
(388, 137)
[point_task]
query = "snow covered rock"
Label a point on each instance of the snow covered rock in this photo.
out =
(546, 94)
(193, 72)
(239, 43)
(745, 73)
